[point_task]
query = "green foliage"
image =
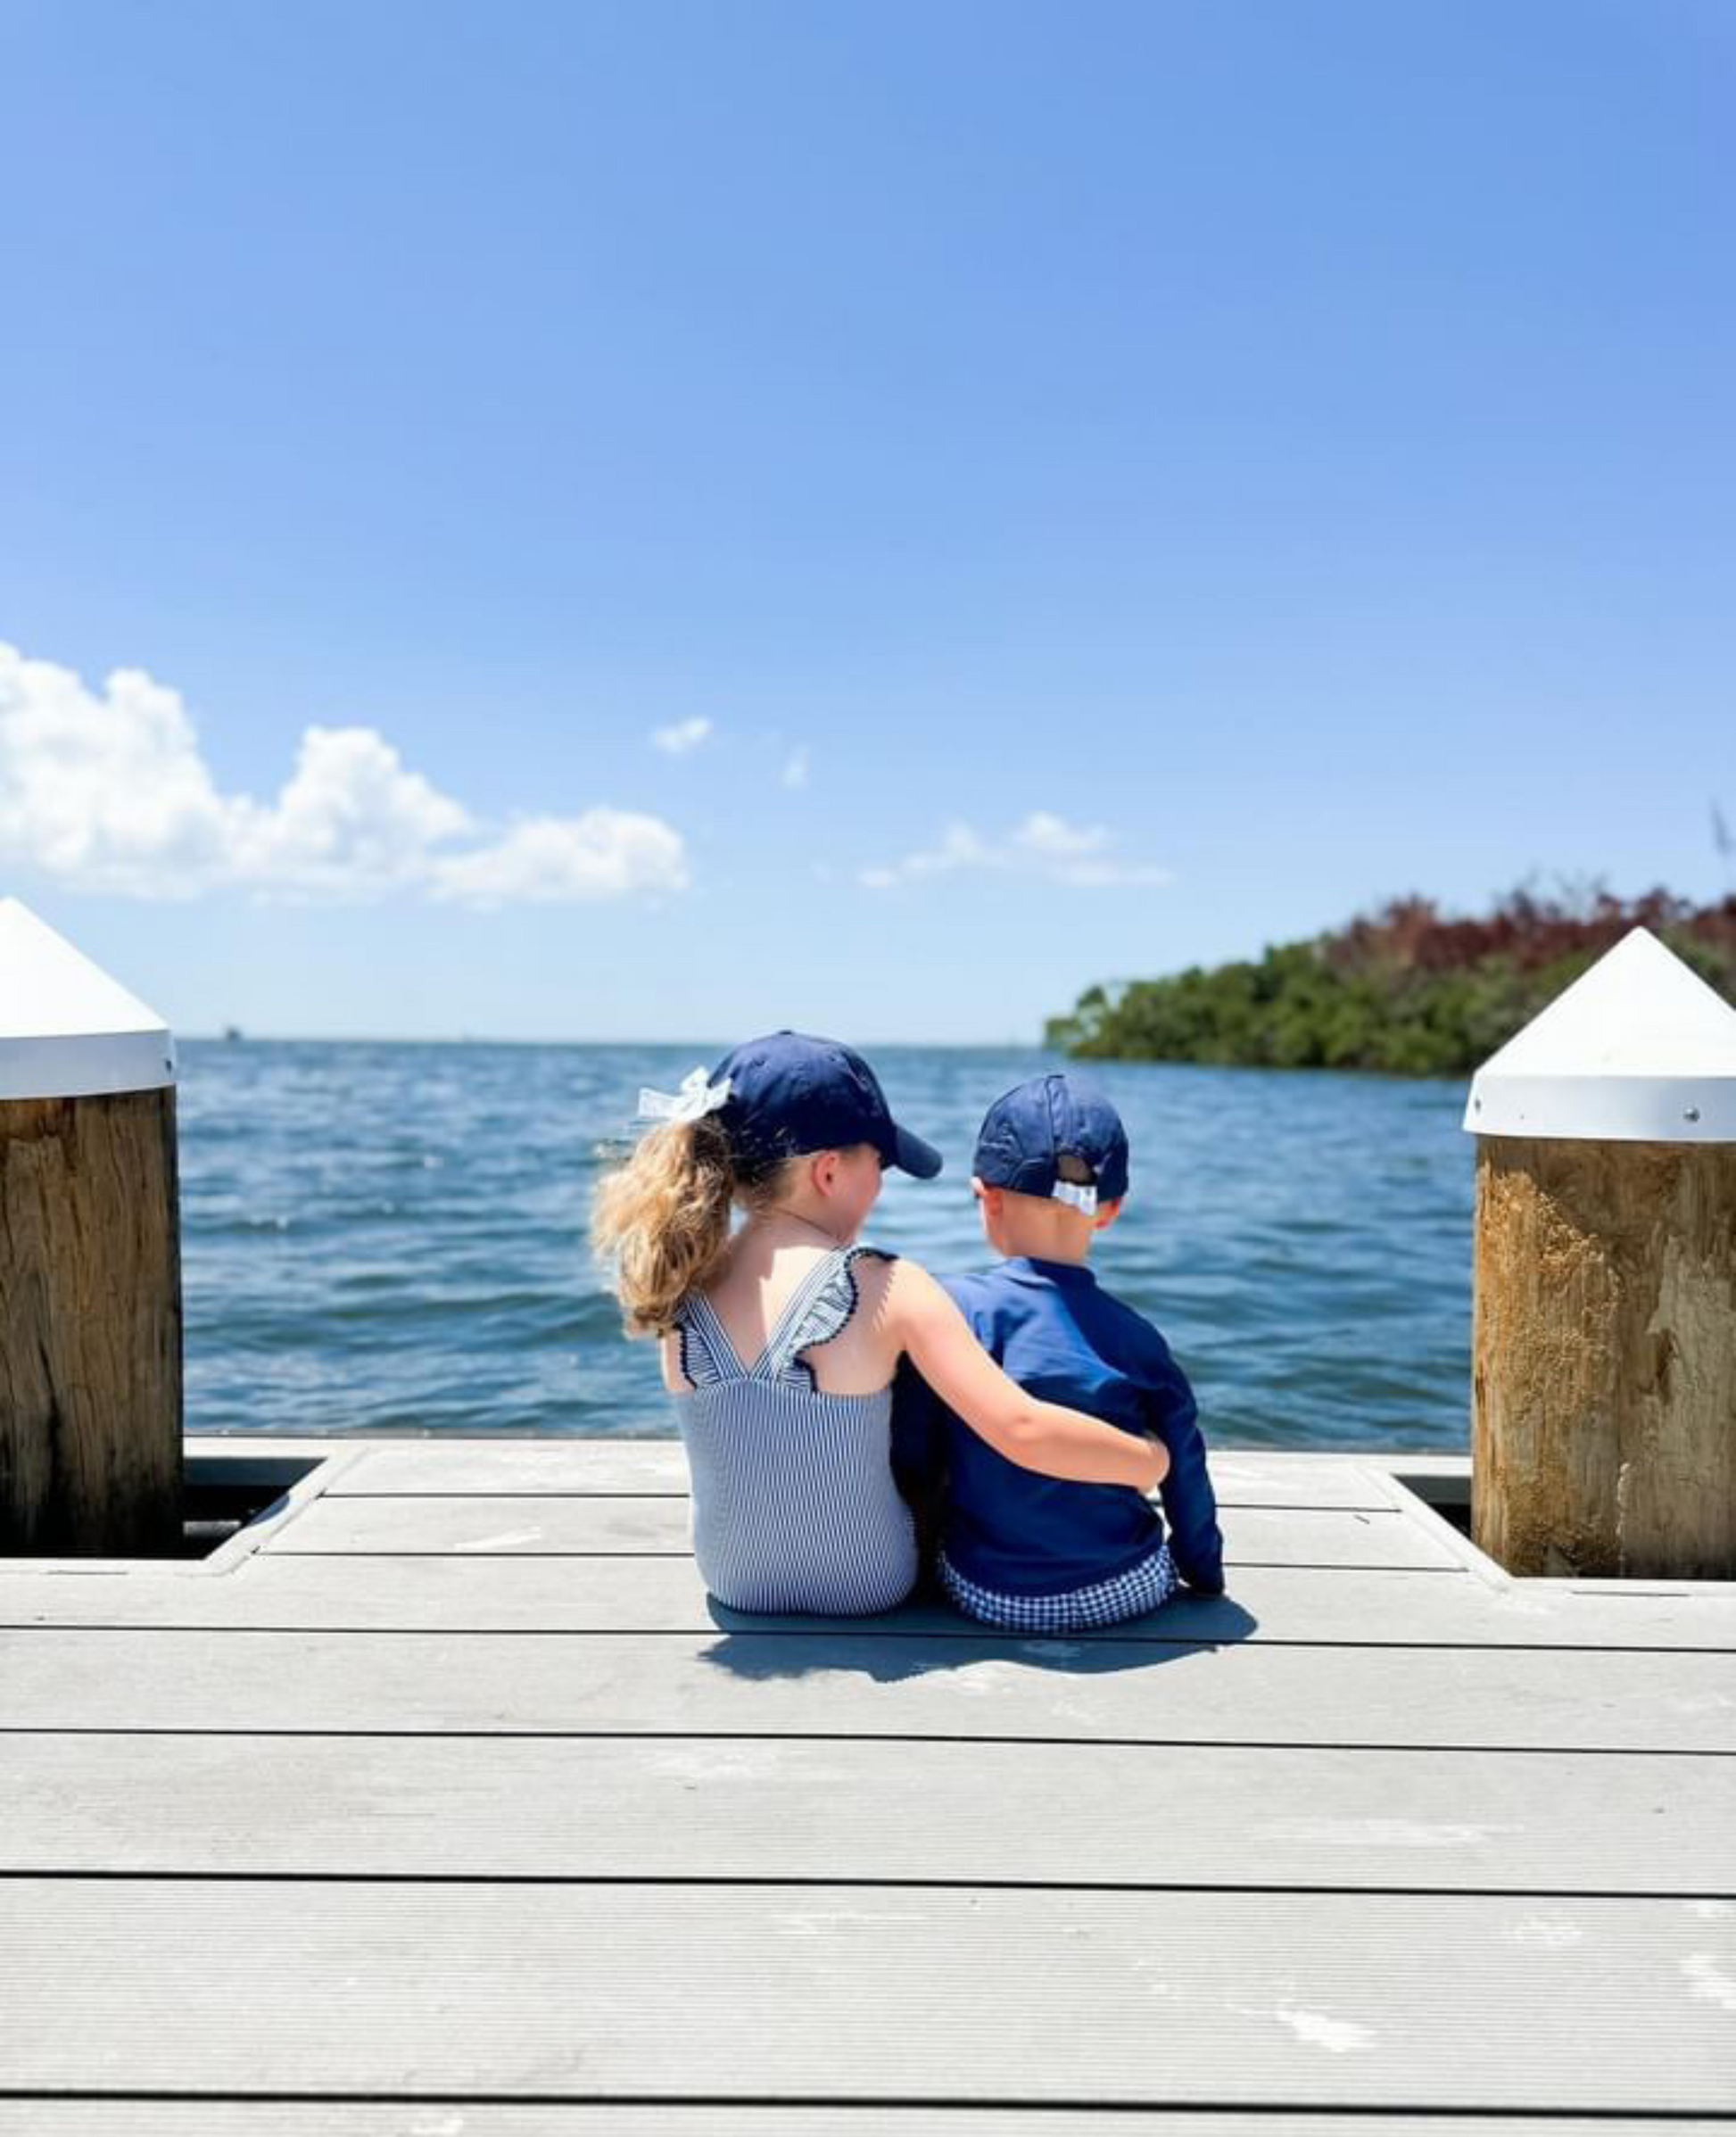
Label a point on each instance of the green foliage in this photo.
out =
(1406, 990)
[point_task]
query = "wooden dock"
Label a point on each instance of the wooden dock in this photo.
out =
(442, 1802)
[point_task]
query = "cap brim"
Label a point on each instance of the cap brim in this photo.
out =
(911, 1153)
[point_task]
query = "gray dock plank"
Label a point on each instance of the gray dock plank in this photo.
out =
(749, 1993)
(481, 1822)
(805, 1685)
(746, 1810)
(460, 2115)
(504, 1593)
(484, 1468)
(555, 1527)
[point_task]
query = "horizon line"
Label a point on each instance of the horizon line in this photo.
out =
(242, 1037)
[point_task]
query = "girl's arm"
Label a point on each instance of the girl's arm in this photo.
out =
(1037, 1435)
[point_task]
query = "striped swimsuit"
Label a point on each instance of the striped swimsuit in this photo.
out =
(794, 1505)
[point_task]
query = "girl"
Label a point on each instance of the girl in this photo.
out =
(780, 1341)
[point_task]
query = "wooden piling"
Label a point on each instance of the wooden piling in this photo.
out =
(1603, 1432)
(90, 1301)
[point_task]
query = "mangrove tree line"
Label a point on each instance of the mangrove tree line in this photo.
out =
(1408, 989)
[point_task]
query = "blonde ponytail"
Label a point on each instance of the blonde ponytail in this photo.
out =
(663, 1219)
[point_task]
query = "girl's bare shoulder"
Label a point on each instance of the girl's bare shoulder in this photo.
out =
(909, 1292)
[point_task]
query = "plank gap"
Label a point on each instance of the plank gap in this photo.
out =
(856, 1629)
(655, 2103)
(682, 1881)
(698, 1736)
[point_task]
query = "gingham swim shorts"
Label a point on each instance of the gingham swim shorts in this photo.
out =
(1129, 1595)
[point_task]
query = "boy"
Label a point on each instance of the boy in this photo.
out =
(1017, 1549)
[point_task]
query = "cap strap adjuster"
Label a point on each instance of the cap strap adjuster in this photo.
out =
(1075, 1197)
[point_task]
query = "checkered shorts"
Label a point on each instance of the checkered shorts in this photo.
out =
(1129, 1595)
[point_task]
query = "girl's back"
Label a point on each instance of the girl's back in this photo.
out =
(782, 1393)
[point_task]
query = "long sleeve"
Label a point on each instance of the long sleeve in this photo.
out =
(1190, 1504)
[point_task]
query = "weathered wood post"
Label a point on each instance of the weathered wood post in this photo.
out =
(90, 1274)
(1603, 1436)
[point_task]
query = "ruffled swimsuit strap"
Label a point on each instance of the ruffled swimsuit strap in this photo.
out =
(819, 1309)
(706, 1353)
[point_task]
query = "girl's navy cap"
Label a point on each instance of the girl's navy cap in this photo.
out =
(1025, 1134)
(790, 1093)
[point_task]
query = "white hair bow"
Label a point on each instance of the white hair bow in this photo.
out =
(696, 1098)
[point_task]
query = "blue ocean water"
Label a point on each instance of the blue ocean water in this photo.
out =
(391, 1237)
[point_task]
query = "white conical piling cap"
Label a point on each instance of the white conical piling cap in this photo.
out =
(67, 1031)
(1638, 1049)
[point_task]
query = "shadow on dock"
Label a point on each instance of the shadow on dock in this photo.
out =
(924, 1641)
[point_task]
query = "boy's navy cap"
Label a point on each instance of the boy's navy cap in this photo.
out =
(789, 1093)
(1025, 1134)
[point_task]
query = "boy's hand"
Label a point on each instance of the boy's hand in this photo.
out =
(1163, 1455)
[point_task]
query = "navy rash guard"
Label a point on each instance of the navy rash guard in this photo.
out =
(1052, 1327)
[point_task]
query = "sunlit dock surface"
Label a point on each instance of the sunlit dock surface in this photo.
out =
(441, 1800)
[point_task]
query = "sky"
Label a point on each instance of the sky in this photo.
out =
(662, 520)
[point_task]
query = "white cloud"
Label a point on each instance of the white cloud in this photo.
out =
(350, 814)
(795, 770)
(605, 853)
(107, 790)
(1053, 838)
(1081, 857)
(683, 736)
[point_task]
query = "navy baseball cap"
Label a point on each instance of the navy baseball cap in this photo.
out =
(789, 1093)
(1026, 1134)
